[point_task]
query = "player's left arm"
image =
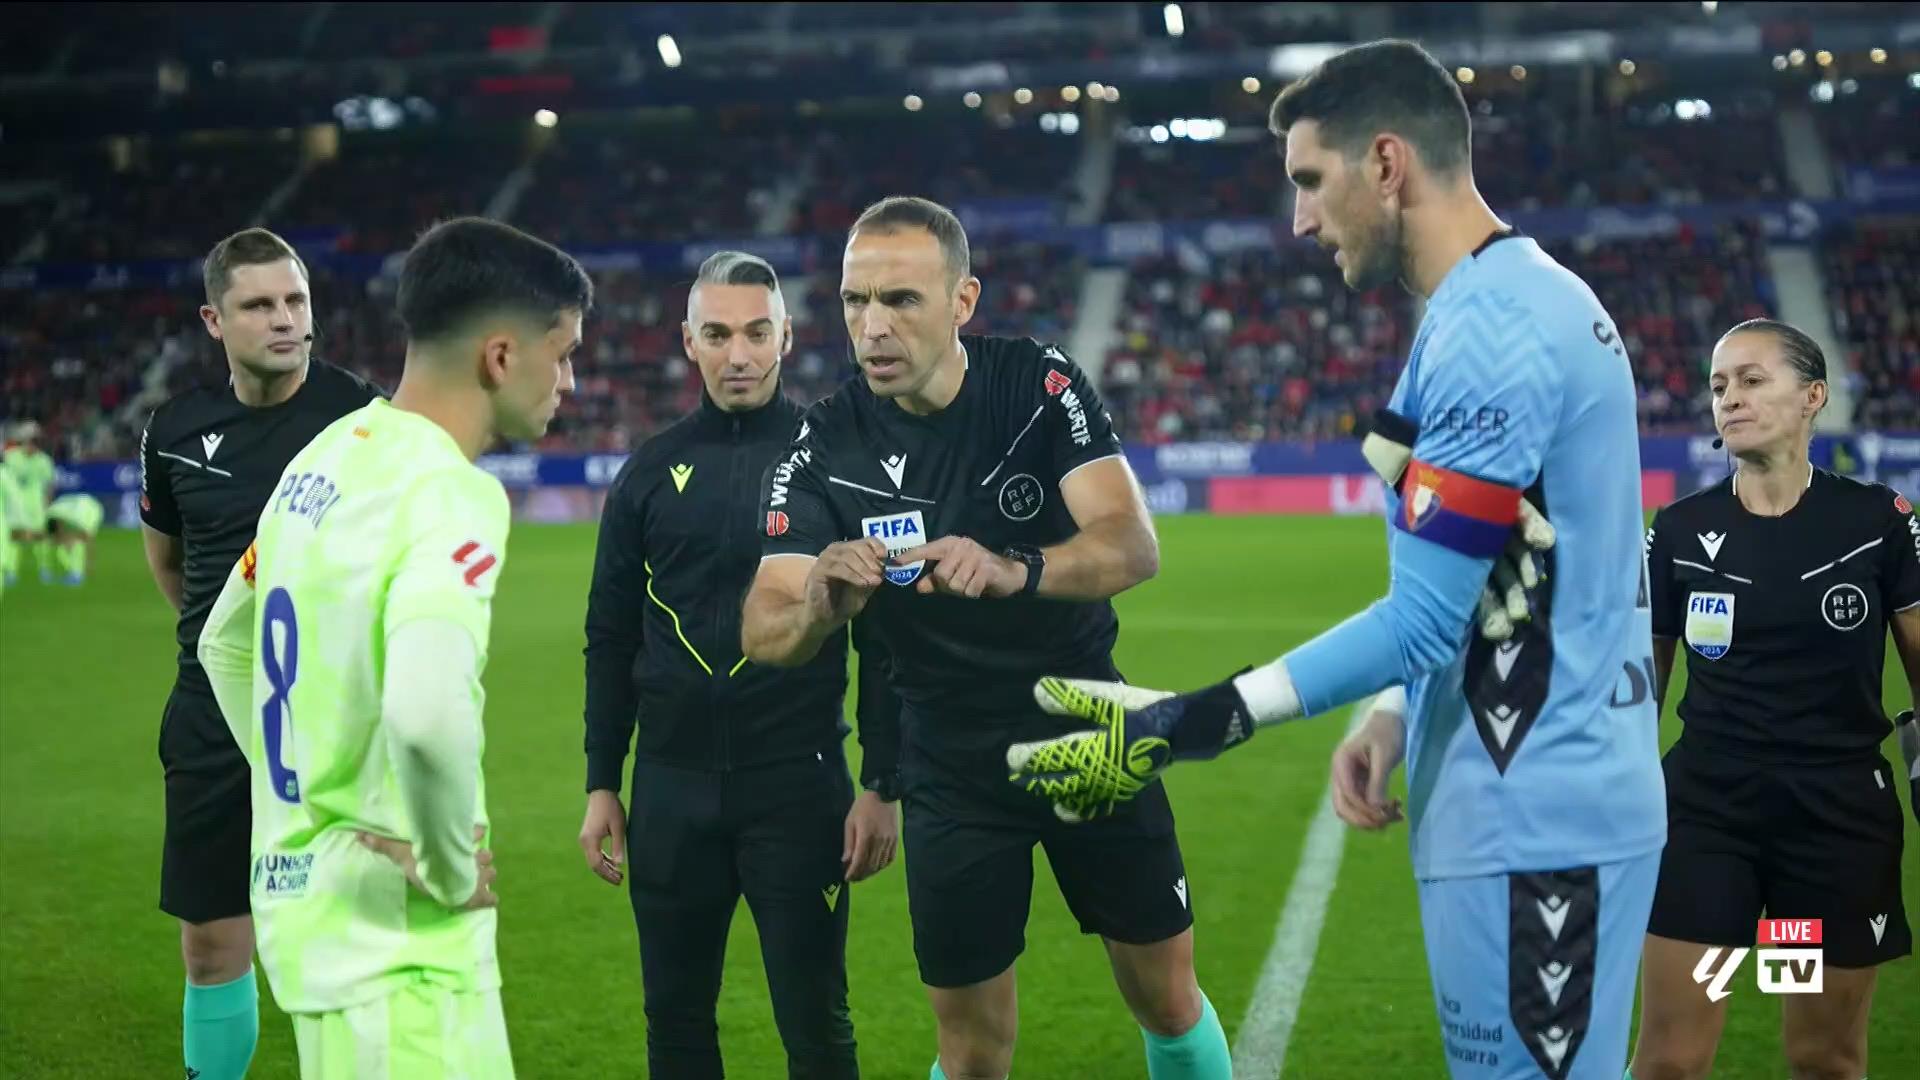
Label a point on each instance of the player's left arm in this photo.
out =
(226, 649)
(1497, 403)
(436, 624)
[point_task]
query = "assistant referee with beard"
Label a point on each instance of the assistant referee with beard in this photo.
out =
(740, 786)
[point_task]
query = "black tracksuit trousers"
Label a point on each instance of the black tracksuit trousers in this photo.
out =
(697, 841)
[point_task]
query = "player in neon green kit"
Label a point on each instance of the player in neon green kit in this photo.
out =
(73, 520)
(346, 651)
(8, 498)
(33, 479)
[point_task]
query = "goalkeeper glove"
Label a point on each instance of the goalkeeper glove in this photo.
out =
(1140, 733)
(1908, 732)
(1388, 447)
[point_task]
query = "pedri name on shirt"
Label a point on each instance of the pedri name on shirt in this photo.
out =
(309, 495)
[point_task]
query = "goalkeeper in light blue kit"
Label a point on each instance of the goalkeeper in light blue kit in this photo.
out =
(1536, 798)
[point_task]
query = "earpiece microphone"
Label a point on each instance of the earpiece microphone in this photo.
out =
(1718, 442)
(309, 337)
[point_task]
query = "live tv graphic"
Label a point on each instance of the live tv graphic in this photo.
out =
(1792, 964)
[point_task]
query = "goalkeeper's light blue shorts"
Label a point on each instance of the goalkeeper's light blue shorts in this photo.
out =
(1534, 973)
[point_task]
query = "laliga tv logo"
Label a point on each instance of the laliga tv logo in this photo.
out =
(1776, 970)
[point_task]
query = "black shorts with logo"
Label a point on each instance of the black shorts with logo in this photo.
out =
(204, 862)
(1816, 841)
(969, 838)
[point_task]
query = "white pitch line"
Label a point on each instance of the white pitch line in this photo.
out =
(1268, 1025)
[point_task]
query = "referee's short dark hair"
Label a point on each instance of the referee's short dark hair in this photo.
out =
(248, 247)
(1802, 353)
(896, 212)
(469, 267)
(1383, 86)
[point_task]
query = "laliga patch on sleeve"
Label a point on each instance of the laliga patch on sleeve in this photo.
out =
(1901, 504)
(1457, 511)
(899, 532)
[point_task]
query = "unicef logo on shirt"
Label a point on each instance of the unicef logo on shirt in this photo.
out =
(1844, 607)
(1021, 497)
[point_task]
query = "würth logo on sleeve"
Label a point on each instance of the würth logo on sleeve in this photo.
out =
(1056, 382)
(477, 560)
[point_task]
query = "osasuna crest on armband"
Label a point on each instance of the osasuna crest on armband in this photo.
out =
(899, 532)
(1710, 624)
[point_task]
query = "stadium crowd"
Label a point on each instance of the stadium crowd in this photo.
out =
(1252, 345)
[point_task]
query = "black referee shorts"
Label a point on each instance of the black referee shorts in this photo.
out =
(969, 852)
(1790, 841)
(204, 860)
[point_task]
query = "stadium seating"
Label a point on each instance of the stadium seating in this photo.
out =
(1873, 285)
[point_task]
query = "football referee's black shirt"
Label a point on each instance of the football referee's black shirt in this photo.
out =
(1785, 617)
(987, 467)
(208, 465)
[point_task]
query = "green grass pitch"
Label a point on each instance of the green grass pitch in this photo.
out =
(90, 973)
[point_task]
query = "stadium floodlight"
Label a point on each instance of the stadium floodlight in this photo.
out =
(1178, 128)
(1158, 133)
(1069, 123)
(1023, 95)
(1709, 6)
(1628, 67)
(1913, 80)
(669, 50)
(1250, 84)
(1797, 57)
(1850, 86)
(1069, 94)
(1683, 109)
(1113, 94)
(1176, 20)
(1823, 58)
(1702, 108)
(546, 118)
(1779, 63)
(1877, 55)
(1465, 75)
(1096, 91)
(913, 103)
(972, 100)
(1518, 72)
(1822, 91)
(1049, 122)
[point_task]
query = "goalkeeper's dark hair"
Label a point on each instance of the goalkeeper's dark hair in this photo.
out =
(1801, 352)
(1383, 86)
(469, 268)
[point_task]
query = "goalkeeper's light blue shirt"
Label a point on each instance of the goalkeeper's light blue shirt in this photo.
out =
(1542, 753)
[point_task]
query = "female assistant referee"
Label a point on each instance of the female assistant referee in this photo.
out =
(1783, 581)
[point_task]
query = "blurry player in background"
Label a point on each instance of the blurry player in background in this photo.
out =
(8, 498)
(33, 479)
(209, 459)
(1536, 801)
(369, 594)
(967, 499)
(1783, 580)
(73, 520)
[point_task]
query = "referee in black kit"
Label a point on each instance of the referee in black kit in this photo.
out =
(969, 498)
(740, 785)
(1783, 581)
(209, 459)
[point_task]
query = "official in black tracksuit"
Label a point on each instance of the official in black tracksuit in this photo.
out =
(740, 786)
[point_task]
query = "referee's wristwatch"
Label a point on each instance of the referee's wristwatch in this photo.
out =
(886, 785)
(1033, 559)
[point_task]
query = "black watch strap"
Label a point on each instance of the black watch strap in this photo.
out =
(1035, 563)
